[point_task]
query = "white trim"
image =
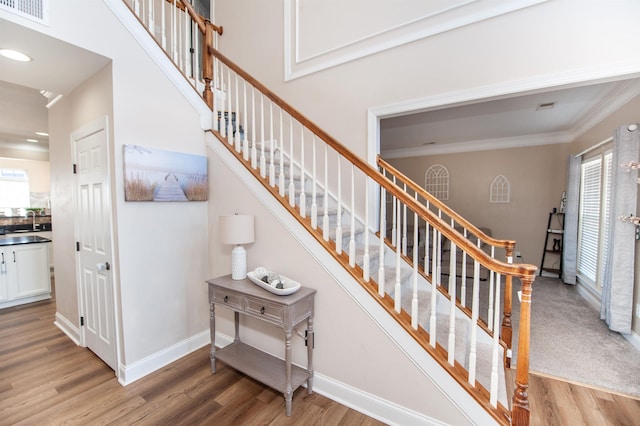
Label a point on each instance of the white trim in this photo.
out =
(465, 13)
(131, 372)
(481, 145)
(168, 68)
(438, 376)
(67, 328)
(378, 408)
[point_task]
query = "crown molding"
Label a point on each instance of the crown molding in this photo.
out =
(481, 145)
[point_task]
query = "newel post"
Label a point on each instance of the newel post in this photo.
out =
(207, 63)
(506, 332)
(520, 402)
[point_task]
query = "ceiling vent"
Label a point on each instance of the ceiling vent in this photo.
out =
(37, 10)
(546, 105)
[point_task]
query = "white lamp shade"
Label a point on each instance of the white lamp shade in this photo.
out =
(237, 229)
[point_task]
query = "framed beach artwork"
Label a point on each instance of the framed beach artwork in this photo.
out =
(157, 175)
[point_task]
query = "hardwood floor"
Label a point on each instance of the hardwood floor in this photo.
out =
(45, 379)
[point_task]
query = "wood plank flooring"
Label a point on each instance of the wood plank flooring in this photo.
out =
(45, 379)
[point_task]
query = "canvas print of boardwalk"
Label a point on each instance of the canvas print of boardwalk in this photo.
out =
(157, 175)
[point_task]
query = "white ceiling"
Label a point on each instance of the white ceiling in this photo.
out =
(57, 67)
(507, 122)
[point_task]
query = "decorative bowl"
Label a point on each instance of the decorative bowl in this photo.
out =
(273, 282)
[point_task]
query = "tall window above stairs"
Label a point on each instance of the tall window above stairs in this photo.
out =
(436, 181)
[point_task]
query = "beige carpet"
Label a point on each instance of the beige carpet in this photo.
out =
(569, 341)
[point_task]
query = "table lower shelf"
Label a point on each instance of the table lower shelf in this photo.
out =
(261, 366)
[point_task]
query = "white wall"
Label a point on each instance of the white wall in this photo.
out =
(160, 248)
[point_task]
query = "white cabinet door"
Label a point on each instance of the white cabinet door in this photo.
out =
(30, 264)
(4, 281)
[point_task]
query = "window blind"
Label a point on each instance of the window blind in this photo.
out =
(589, 225)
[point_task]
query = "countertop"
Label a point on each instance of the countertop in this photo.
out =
(23, 239)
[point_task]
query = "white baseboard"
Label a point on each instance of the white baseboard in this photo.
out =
(380, 409)
(634, 339)
(130, 373)
(67, 328)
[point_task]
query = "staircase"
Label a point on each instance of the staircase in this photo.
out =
(432, 271)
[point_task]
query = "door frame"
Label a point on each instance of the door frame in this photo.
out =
(97, 125)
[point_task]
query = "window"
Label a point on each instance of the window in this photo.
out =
(500, 191)
(595, 195)
(436, 181)
(14, 188)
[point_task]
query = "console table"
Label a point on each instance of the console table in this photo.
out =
(286, 312)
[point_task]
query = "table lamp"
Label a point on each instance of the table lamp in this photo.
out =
(237, 229)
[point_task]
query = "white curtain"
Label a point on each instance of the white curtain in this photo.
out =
(570, 239)
(617, 291)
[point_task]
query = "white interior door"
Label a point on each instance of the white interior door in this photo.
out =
(94, 257)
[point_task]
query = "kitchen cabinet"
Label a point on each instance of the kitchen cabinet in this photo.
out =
(24, 270)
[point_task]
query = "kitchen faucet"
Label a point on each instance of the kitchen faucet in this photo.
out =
(34, 225)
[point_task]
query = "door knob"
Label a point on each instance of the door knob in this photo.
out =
(103, 266)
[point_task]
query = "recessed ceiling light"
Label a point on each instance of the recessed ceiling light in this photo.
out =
(546, 105)
(42, 133)
(15, 55)
(32, 140)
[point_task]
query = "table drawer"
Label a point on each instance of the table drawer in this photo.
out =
(231, 300)
(269, 312)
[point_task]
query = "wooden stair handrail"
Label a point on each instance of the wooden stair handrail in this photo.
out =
(198, 19)
(519, 270)
(507, 244)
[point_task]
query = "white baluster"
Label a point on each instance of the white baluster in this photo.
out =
(427, 237)
(150, 15)
(491, 291)
(365, 257)
(229, 121)
(452, 304)
(463, 274)
(136, 7)
(263, 158)
(236, 123)
(394, 221)
(281, 189)
(339, 215)
(223, 100)
(475, 308)
(292, 185)
(434, 290)
(383, 231)
(352, 239)
(196, 56)
(185, 43)
(314, 201)
(174, 38)
(493, 398)
(245, 114)
(397, 296)
(303, 195)
(404, 226)
(254, 150)
(414, 299)
(216, 120)
(272, 167)
(325, 217)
